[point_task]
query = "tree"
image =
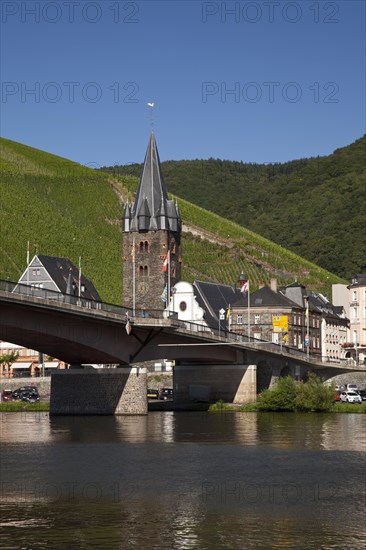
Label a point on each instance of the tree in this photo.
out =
(8, 359)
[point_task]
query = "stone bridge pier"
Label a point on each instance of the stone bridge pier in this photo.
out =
(89, 391)
(209, 383)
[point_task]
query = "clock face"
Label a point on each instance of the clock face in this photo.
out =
(143, 288)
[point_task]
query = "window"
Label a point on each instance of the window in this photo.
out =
(240, 319)
(143, 271)
(257, 319)
(354, 295)
(355, 312)
(143, 246)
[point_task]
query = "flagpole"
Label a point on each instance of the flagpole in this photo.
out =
(28, 263)
(168, 300)
(248, 311)
(79, 292)
(133, 279)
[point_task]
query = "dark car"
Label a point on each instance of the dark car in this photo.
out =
(362, 394)
(7, 395)
(29, 396)
(17, 394)
(152, 394)
(166, 393)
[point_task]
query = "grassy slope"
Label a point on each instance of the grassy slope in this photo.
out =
(65, 209)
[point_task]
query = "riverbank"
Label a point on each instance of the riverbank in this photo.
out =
(161, 406)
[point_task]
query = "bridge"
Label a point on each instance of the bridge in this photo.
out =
(209, 365)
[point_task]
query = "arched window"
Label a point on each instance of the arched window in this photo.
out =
(143, 271)
(143, 246)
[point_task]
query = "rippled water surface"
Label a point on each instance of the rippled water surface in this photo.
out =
(183, 481)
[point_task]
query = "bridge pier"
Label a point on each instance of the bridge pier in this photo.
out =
(209, 383)
(92, 391)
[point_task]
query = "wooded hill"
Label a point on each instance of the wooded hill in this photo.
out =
(315, 207)
(65, 209)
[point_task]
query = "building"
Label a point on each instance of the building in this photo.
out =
(28, 363)
(205, 306)
(272, 317)
(57, 275)
(355, 347)
(151, 228)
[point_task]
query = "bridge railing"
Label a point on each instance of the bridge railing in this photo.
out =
(80, 301)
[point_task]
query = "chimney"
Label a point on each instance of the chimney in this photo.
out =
(274, 285)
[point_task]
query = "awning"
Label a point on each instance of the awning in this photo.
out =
(50, 365)
(21, 365)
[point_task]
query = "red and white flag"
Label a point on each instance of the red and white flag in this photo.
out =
(165, 264)
(245, 288)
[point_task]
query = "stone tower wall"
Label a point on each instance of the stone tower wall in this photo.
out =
(151, 254)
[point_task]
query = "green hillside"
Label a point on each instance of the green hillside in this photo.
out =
(315, 207)
(65, 209)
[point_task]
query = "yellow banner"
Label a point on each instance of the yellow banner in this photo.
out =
(280, 323)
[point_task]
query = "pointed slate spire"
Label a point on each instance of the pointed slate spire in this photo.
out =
(152, 209)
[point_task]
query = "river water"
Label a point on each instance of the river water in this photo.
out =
(183, 480)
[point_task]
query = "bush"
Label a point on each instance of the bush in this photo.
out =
(313, 395)
(280, 398)
(289, 395)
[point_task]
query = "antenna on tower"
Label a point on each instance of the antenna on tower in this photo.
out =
(151, 105)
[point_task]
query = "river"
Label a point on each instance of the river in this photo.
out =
(183, 480)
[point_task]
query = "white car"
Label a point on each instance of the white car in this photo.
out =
(350, 397)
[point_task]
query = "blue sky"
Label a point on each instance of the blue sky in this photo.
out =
(253, 81)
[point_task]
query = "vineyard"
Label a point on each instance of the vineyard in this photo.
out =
(68, 210)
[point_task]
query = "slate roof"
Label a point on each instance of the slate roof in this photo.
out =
(59, 270)
(265, 297)
(212, 297)
(152, 209)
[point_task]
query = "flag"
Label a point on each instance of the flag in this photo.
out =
(165, 264)
(245, 288)
(128, 327)
(228, 313)
(164, 296)
(307, 309)
(28, 250)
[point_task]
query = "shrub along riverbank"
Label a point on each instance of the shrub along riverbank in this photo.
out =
(291, 396)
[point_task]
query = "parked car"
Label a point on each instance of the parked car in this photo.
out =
(338, 396)
(17, 394)
(362, 394)
(30, 396)
(152, 394)
(350, 397)
(351, 387)
(7, 395)
(166, 393)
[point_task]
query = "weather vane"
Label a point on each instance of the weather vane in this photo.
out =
(151, 114)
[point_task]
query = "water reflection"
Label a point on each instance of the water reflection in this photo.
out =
(282, 431)
(183, 481)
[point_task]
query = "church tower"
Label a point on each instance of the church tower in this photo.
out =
(151, 232)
